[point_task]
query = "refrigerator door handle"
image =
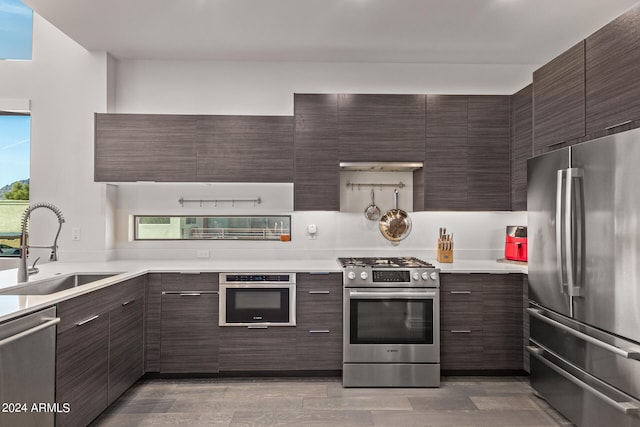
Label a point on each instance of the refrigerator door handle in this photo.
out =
(627, 354)
(573, 226)
(630, 407)
(560, 218)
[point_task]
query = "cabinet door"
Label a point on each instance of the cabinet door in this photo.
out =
(612, 69)
(247, 349)
(319, 321)
(317, 173)
(489, 150)
(189, 332)
(502, 323)
(445, 171)
(144, 147)
(153, 302)
(82, 370)
(245, 149)
(559, 99)
(521, 145)
(126, 338)
(385, 128)
(461, 322)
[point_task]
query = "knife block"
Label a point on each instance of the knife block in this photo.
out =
(445, 255)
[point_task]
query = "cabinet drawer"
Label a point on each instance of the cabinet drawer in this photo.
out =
(190, 282)
(461, 349)
(247, 349)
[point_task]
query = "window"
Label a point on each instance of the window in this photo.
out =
(14, 179)
(212, 228)
(16, 30)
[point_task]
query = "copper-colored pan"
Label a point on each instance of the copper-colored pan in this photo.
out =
(395, 224)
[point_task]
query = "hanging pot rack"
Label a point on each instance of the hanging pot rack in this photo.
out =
(359, 185)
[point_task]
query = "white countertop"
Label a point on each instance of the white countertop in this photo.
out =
(16, 305)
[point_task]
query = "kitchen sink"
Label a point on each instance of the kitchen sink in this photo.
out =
(56, 284)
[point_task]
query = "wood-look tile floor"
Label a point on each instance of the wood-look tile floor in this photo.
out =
(315, 402)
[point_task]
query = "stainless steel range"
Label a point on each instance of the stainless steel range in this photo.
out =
(391, 323)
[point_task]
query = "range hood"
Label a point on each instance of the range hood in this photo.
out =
(381, 166)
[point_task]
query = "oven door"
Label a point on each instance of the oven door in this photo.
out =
(257, 305)
(385, 325)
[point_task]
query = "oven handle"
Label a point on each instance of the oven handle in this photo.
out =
(387, 294)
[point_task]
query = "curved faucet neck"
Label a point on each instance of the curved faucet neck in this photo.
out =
(23, 271)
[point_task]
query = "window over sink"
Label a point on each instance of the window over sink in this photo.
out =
(212, 227)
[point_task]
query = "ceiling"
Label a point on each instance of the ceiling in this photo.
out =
(408, 31)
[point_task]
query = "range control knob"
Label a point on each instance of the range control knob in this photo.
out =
(351, 275)
(416, 276)
(434, 275)
(425, 275)
(364, 275)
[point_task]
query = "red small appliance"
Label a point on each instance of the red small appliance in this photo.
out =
(515, 246)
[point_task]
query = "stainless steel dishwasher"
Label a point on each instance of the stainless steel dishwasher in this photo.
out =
(27, 370)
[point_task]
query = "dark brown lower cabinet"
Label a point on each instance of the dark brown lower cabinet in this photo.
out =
(126, 327)
(82, 371)
(189, 332)
(99, 350)
(481, 322)
(319, 321)
(245, 349)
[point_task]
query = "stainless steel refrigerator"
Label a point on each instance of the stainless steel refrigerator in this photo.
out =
(584, 280)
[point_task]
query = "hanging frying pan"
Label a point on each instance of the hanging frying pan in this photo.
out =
(395, 224)
(372, 212)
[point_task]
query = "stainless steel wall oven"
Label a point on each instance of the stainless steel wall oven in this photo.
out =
(391, 323)
(257, 299)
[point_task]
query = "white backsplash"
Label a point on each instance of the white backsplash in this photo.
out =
(477, 235)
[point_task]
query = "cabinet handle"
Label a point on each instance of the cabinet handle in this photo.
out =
(460, 292)
(90, 319)
(319, 331)
(190, 294)
(257, 327)
(619, 124)
(461, 331)
(319, 292)
(128, 302)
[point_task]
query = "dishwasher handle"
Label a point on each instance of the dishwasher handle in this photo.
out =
(49, 322)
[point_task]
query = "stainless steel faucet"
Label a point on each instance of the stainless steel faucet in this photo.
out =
(23, 271)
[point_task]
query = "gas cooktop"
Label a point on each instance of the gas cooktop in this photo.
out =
(386, 262)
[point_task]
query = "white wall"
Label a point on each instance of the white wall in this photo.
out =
(204, 87)
(66, 85)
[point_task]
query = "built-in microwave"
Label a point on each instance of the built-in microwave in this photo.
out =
(257, 299)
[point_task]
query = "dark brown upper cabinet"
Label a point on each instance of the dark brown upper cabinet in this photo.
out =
(559, 99)
(445, 171)
(316, 162)
(521, 145)
(612, 70)
(489, 140)
(467, 153)
(244, 149)
(381, 128)
(145, 147)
